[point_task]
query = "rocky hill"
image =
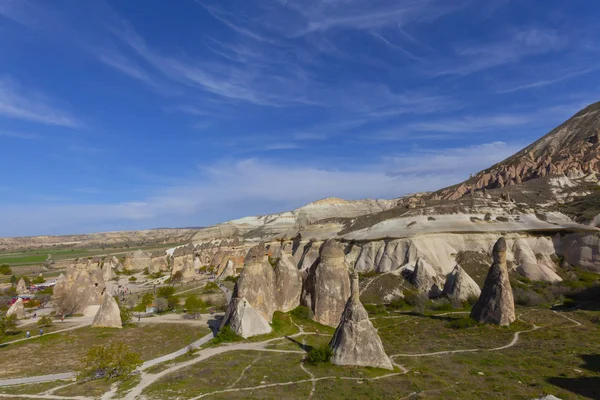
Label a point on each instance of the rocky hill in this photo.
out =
(572, 149)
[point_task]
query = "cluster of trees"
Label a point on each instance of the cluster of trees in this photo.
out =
(167, 300)
(8, 323)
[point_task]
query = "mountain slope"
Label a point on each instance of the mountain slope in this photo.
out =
(572, 149)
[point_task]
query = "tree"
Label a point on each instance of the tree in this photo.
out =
(8, 323)
(5, 269)
(11, 292)
(45, 321)
(165, 292)
(13, 280)
(168, 293)
(193, 305)
(161, 304)
(38, 279)
(113, 361)
(125, 313)
(177, 277)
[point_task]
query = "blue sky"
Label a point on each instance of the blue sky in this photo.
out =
(140, 114)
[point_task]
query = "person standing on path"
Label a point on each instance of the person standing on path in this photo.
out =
(27, 335)
(41, 331)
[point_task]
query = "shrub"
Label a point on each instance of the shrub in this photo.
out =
(487, 217)
(430, 219)
(442, 305)
(165, 292)
(8, 323)
(233, 279)
(226, 334)
(132, 279)
(45, 321)
(502, 219)
(462, 323)
(211, 287)
(416, 299)
(177, 277)
(38, 279)
(301, 312)
(125, 313)
(374, 309)
(318, 355)
(5, 270)
(113, 361)
(398, 303)
(526, 298)
(273, 261)
(161, 304)
(193, 305)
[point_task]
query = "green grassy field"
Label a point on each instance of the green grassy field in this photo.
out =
(62, 352)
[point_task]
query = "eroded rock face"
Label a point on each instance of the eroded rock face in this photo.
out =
(17, 309)
(288, 284)
(355, 341)
(327, 286)
(244, 320)
(573, 148)
(79, 289)
(425, 279)
(108, 315)
(229, 270)
(460, 286)
(581, 251)
(257, 282)
(22, 286)
(496, 304)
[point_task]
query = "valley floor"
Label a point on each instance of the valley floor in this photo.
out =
(544, 352)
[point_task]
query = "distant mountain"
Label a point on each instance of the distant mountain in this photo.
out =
(572, 149)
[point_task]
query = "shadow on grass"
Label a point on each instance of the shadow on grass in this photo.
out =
(585, 386)
(214, 324)
(303, 346)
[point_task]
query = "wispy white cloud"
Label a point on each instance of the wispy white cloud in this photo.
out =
(18, 103)
(460, 162)
(18, 135)
(252, 186)
(519, 45)
(546, 82)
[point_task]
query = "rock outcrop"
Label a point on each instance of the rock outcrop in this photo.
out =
(460, 286)
(327, 287)
(288, 284)
(108, 315)
(244, 320)
(22, 287)
(257, 282)
(79, 289)
(17, 309)
(496, 304)
(355, 341)
(572, 149)
(425, 279)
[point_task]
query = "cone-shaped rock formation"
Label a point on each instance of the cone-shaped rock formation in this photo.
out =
(244, 320)
(108, 315)
(460, 286)
(355, 341)
(288, 284)
(496, 304)
(17, 309)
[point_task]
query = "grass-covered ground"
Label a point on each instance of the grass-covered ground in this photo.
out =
(63, 351)
(560, 358)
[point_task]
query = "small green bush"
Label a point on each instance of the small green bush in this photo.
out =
(225, 335)
(398, 303)
(132, 279)
(5, 269)
(462, 323)
(301, 312)
(45, 321)
(502, 219)
(487, 217)
(211, 287)
(319, 355)
(233, 279)
(374, 309)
